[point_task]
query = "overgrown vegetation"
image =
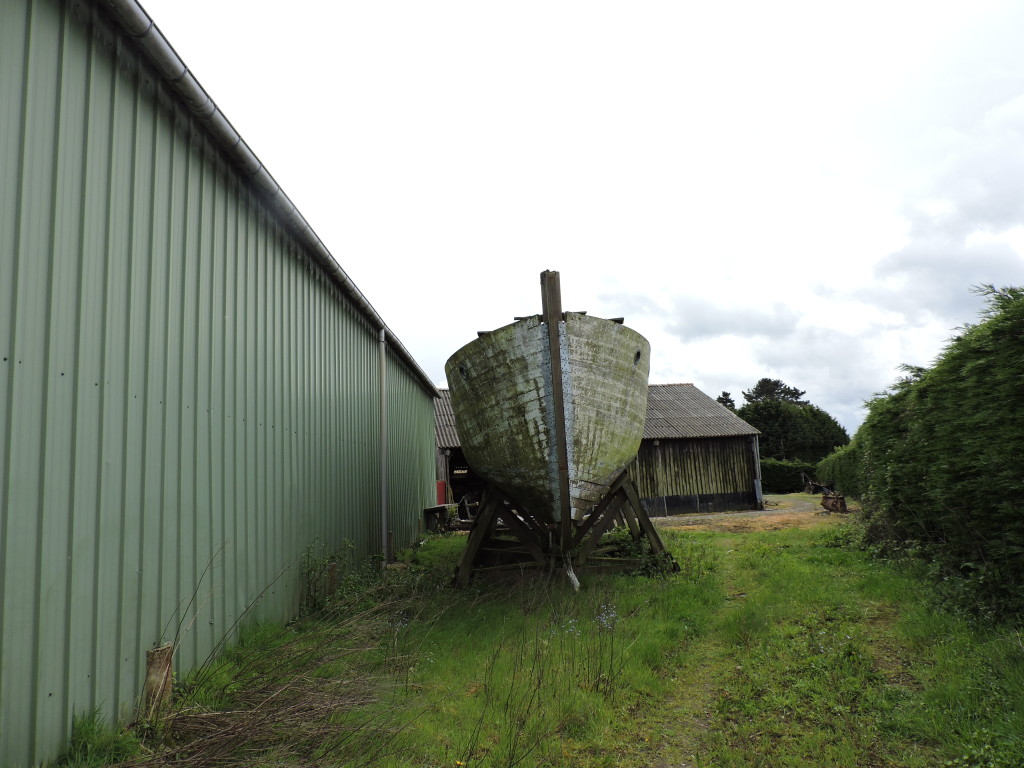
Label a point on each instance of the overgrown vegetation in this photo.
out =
(319, 691)
(773, 648)
(937, 461)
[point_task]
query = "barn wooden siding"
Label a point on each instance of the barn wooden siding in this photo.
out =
(711, 474)
(187, 401)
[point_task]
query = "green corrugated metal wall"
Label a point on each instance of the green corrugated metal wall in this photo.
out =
(186, 402)
(410, 428)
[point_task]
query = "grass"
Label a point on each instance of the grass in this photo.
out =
(770, 648)
(95, 743)
(820, 656)
(532, 672)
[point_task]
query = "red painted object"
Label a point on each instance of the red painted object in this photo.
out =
(441, 495)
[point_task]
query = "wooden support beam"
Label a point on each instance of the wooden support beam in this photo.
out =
(611, 511)
(584, 528)
(525, 534)
(630, 519)
(537, 527)
(657, 546)
(483, 525)
(622, 503)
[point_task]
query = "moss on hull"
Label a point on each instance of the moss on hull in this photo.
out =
(501, 396)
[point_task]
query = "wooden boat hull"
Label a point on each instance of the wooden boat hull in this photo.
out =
(501, 390)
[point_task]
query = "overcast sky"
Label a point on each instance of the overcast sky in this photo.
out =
(800, 190)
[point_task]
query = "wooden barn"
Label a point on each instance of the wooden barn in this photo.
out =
(696, 455)
(456, 482)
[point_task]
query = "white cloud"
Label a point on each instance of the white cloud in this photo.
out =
(697, 319)
(799, 189)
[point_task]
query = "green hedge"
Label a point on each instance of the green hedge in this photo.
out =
(842, 470)
(942, 468)
(784, 476)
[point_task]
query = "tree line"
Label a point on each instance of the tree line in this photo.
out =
(792, 428)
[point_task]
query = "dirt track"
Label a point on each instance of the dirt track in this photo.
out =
(795, 510)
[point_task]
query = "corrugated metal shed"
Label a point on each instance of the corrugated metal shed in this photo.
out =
(192, 392)
(683, 411)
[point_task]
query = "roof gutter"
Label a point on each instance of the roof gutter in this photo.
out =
(157, 51)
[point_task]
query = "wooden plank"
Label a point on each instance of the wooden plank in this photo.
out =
(507, 567)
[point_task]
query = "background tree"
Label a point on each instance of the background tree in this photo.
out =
(726, 399)
(774, 389)
(791, 428)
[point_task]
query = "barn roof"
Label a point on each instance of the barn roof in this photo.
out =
(683, 411)
(673, 411)
(444, 417)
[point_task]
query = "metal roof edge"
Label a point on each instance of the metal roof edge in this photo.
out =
(139, 26)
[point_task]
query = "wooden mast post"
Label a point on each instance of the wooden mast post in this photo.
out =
(551, 295)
